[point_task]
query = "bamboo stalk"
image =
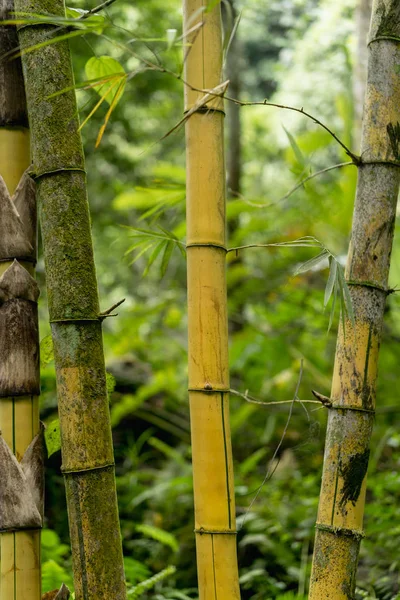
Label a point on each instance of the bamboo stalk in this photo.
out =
(87, 452)
(350, 422)
(21, 498)
(208, 331)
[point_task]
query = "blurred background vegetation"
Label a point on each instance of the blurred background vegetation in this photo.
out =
(302, 53)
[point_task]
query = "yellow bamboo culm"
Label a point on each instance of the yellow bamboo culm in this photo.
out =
(215, 523)
(20, 574)
(341, 507)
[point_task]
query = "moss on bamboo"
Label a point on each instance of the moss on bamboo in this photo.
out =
(58, 167)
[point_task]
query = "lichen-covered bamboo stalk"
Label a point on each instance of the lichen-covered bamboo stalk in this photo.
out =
(21, 448)
(87, 452)
(350, 422)
(215, 525)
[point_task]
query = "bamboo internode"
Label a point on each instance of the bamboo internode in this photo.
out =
(341, 507)
(207, 311)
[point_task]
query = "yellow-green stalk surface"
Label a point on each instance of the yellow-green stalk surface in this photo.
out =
(341, 507)
(208, 331)
(20, 503)
(58, 166)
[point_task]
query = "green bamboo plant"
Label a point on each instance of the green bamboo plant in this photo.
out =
(351, 416)
(21, 447)
(59, 172)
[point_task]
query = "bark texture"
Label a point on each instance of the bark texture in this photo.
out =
(341, 508)
(58, 166)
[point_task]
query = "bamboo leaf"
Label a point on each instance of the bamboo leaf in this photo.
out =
(164, 537)
(331, 280)
(166, 257)
(333, 306)
(346, 296)
(154, 255)
(102, 67)
(52, 437)
(296, 150)
(135, 258)
(211, 4)
(313, 262)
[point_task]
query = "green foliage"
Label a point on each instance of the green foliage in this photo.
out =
(294, 53)
(138, 590)
(52, 437)
(55, 566)
(46, 351)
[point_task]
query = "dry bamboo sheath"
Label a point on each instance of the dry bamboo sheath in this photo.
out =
(207, 312)
(58, 167)
(21, 447)
(341, 507)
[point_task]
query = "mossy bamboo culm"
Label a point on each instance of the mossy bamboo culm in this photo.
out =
(21, 447)
(350, 422)
(59, 171)
(215, 523)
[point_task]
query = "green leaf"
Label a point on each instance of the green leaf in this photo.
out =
(166, 257)
(164, 537)
(154, 255)
(333, 306)
(46, 351)
(110, 70)
(331, 280)
(211, 4)
(52, 437)
(296, 150)
(110, 382)
(313, 262)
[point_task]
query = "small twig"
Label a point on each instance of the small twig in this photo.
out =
(253, 400)
(272, 467)
(107, 313)
(324, 400)
(96, 9)
(303, 181)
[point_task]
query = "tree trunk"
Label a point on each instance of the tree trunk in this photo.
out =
(341, 508)
(363, 18)
(58, 166)
(21, 447)
(207, 313)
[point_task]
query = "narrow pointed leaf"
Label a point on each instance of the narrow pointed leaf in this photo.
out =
(331, 280)
(313, 262)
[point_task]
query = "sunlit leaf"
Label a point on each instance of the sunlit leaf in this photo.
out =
(52, 437)
(103, 67)
(331, 280)
(312, 263)
(46, 351)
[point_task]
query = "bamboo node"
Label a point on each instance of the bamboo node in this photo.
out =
(67, 471)
(206, 245)
(369, 284)
(354, 533)
(354, 408)
(56, 171)
(209, 388)
(202, 531)
(389, 38)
